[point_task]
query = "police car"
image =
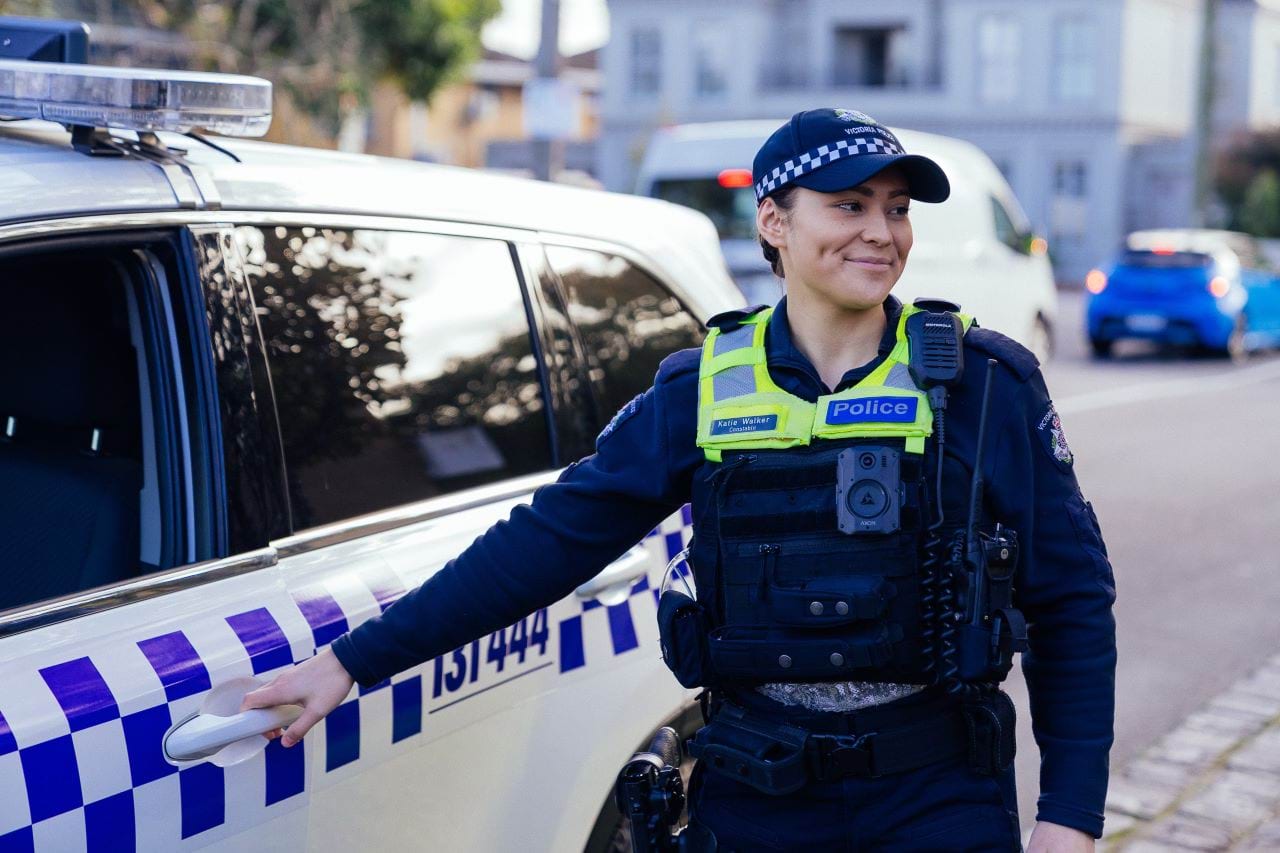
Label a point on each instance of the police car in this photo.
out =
(250, 394)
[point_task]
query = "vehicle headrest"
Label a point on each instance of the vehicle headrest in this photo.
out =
(65, 358)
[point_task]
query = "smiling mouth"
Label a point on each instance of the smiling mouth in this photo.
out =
(870, 263)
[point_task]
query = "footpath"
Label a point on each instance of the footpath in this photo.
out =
(1211, 784)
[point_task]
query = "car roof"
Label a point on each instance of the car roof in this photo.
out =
(42, 177)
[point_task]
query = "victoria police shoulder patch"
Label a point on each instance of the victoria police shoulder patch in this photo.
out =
(622, 414)
(1052, 437)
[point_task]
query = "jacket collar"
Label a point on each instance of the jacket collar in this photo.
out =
(793, 371)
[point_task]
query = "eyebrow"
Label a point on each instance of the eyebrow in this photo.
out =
(863, 191)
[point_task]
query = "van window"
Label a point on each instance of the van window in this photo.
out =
(1006, 231)
(89, 442)
(401, 363)
(627, 320)
(732, 209)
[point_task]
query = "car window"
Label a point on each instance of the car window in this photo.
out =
(1006, 231)
(91, 456)
(627, 320)
(401, 364)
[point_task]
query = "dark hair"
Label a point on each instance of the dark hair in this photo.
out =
(784, 201)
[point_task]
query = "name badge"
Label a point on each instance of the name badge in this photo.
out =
(754, 423)
(895, 410)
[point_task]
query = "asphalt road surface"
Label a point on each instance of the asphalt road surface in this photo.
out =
(1180, 456)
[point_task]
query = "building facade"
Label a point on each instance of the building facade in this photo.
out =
(1089, 107)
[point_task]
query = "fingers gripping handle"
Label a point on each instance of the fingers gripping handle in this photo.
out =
(207, 734)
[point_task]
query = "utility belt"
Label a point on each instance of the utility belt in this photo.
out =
(781, 753)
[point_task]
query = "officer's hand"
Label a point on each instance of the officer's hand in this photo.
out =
(319, 685)
(1053, 838)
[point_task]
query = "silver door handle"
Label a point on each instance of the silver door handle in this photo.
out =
(203, 735)
(619, 575)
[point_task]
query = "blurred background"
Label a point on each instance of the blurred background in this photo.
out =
(1105, 117)
(1125, 155)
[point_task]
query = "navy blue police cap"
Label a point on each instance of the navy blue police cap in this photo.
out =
(829, 150)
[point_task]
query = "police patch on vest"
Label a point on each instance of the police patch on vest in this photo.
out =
(753, 423)
(1055, 441)
(894, 410)
(625, 412)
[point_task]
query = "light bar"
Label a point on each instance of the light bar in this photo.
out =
(146, 99)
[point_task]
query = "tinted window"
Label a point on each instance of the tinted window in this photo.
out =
(732, 209)
(627, 320)
(1006, 232)
(89, 427)
(1166, 260)
(401, 364)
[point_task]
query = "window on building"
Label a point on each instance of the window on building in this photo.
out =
(628, 322)
(646, 61)
(868, 56)
(1070, 178)
(999, 55)
(401, 363)
(712, 59)
(783, 66)
(1074, 60)
(1070, 194)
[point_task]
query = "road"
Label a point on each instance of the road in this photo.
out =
(1179, 456)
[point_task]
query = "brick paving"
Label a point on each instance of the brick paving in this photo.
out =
(1213, 783)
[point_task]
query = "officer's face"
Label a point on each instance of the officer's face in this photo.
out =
(849, 247)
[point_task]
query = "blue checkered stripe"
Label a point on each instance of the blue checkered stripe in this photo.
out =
(822, 156)
(81, 762)
(101, 783)
(668, 539)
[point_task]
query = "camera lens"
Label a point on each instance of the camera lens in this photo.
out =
(867, 460)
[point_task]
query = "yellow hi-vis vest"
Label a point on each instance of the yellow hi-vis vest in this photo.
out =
(740, 406)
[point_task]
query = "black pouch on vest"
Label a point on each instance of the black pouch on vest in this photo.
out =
(991, 724)
(682, 628)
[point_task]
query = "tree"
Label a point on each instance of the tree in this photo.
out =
(326, 55)
(1260, 210)
(1238, 166)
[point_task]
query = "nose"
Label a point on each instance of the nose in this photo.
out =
(875, 228)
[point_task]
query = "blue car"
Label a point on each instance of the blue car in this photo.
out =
(1196, 288)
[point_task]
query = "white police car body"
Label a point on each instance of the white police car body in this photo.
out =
(251, 397)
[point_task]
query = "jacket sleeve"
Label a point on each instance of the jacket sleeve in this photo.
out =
(1065, 587)
(598, 508)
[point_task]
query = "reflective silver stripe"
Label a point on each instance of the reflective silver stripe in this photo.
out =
(900, 377)
(734, 382)
(739, 338)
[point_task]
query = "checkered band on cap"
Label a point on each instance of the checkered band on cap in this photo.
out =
(821, 156)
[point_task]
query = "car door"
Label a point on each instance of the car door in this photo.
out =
(412, 393)
(135, 477)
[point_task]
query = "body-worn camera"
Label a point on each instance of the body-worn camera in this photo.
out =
(868, 490)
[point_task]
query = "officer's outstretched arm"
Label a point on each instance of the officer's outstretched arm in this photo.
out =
(1066, 589)
(598, 508)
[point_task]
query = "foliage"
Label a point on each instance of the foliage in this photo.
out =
(1260, 211)
(328, 54)
(1240, 165)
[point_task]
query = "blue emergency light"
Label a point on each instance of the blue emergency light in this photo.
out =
(140, 99)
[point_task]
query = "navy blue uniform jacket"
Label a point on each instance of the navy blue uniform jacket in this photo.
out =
(642, 470)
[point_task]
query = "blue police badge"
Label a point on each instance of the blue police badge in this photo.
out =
(622, 414)
(1053, 438)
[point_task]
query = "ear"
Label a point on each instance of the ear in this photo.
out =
(770, 224)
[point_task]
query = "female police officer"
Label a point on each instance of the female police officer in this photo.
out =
(854, 616)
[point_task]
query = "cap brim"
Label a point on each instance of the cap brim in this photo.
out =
(925, 179)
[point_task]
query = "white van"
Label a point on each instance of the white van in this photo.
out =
(976, 248)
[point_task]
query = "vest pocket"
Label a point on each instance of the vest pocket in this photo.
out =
(830, 602)
(765, 654)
